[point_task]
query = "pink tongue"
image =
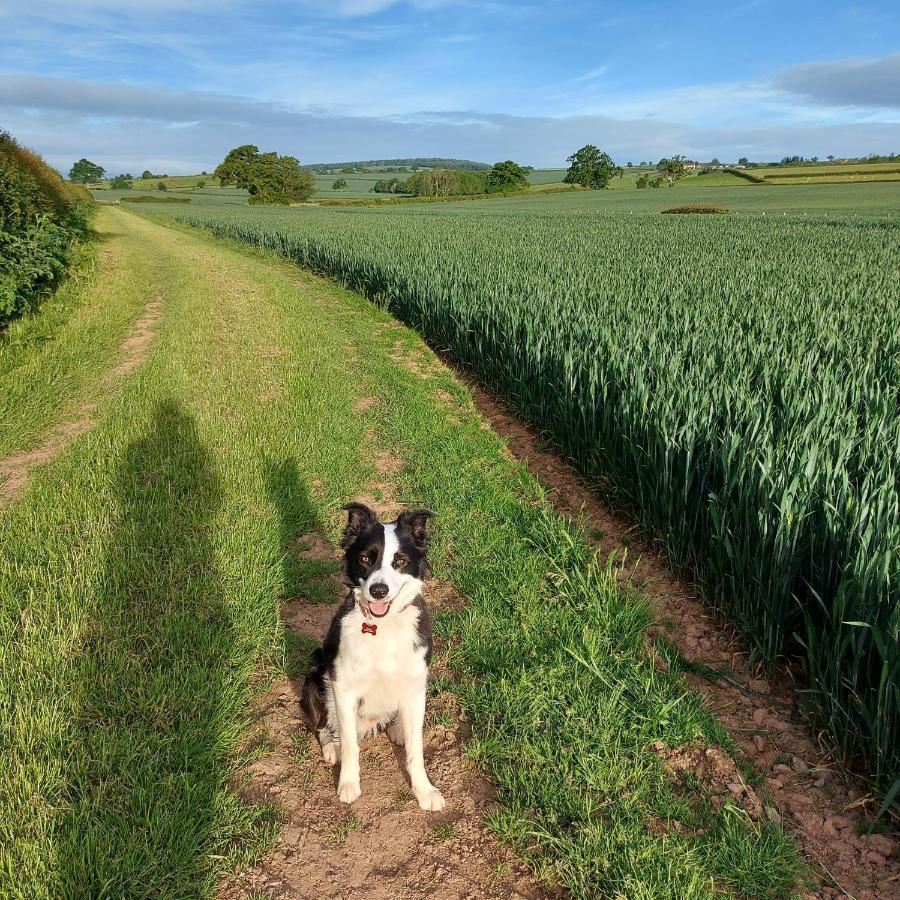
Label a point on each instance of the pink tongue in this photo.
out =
(379, 607)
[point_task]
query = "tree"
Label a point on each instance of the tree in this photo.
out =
(146, 174)
(121, 183)
(161, 186)
(830, 157)
(671, 169)
(590, 168)
(339, 185)
(268, 177)
(743, 161)
(507, 176)
(201, 183)
(85, 171)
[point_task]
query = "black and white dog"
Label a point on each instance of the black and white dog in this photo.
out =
(372, 669)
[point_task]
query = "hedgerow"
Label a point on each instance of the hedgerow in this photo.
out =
(41, 218)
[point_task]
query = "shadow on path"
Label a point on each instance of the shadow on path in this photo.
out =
(144, 800)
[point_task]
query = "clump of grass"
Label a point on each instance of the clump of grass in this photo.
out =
(344, 828)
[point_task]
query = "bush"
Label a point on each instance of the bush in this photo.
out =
(696, 208)
(161, 186)
(149, 198)
(41, 217)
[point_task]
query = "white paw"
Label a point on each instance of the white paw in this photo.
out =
(349, 791)
(330, 754)
(431, 800)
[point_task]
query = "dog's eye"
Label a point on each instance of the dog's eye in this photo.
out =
(400, 561)
(364, 559)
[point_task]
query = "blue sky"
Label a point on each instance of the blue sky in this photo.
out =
(174, 84)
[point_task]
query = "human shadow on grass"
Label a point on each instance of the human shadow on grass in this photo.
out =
(309, 563)
(146, 804)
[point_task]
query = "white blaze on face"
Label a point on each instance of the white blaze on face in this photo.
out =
(386, 574)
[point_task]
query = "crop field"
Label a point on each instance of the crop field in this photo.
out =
(201, 410)
(734, 379)
(849, 173)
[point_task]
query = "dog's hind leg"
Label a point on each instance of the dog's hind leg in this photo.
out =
(331, 749)
(395, 732)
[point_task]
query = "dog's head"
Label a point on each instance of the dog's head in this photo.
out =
(384, 561)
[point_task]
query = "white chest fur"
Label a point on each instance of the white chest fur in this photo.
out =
(381, 669)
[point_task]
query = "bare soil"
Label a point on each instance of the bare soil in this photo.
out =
(15, 468)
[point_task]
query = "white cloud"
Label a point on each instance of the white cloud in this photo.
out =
(128, 128)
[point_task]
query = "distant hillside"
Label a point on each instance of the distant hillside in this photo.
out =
(423, 162)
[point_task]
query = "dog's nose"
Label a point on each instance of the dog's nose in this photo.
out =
(378, 591)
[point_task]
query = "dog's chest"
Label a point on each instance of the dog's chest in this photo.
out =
(388, 663)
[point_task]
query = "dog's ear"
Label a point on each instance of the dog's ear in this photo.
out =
(415, 521)
(359, 518)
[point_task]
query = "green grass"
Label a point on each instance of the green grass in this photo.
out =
(140, 577)
(68, 345)
(758, 462)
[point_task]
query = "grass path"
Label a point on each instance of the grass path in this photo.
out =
(144, 573)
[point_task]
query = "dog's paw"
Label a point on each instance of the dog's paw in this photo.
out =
(349, 791)
(431, 800)
(330, 754)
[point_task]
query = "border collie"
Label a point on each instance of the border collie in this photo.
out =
(371, 671)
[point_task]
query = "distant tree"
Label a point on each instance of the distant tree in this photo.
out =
(268, 177)
(85, 171)
(121, 183)
(743, 161)
(201, 183)
(815, 159)
(507, 176)
(204, 173)
(629, 166)
(671, 169)
(161, 186)
(713, 162)
(830, 157)
(590, 168)
(642, 182)
(656, 182)
(339, 185)
(146, 174)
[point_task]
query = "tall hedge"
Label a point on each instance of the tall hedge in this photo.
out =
(41, 219)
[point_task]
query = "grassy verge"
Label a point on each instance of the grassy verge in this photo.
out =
(52, 361)
(139, 585)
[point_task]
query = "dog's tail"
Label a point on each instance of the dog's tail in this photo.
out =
(312, 697)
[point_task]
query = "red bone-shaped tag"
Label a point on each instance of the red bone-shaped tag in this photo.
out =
(369, 628)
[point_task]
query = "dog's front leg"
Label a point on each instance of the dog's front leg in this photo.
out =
(348, 785)
(412, 720)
